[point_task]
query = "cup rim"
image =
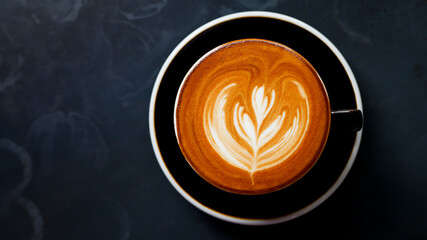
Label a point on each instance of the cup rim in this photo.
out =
(189, 198)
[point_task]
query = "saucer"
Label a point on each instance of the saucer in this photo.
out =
(308, 192)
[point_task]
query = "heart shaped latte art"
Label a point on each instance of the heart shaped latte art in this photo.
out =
(259, 131)
(252, 116)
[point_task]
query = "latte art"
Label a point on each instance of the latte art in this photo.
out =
(252, 116)
(260, 142)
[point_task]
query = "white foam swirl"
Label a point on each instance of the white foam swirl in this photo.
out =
(263, 140)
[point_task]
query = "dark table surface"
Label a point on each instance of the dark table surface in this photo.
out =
(76, 160)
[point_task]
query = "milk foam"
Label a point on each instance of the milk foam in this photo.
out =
(253, 137)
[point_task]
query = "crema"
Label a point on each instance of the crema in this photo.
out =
(252, 116)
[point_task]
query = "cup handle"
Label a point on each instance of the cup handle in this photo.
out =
(346, 120)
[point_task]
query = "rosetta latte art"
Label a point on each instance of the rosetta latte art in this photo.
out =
(252, 116)
(271, 129)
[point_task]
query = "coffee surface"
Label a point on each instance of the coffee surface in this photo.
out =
(252, 116)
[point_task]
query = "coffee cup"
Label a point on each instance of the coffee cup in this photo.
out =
(252, 116)
(338, 130)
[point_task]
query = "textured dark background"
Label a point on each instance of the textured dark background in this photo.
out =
(76, 160)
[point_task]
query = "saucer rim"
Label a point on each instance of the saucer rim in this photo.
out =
(169, 176)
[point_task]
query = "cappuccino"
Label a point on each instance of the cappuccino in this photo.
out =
(252, 116)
